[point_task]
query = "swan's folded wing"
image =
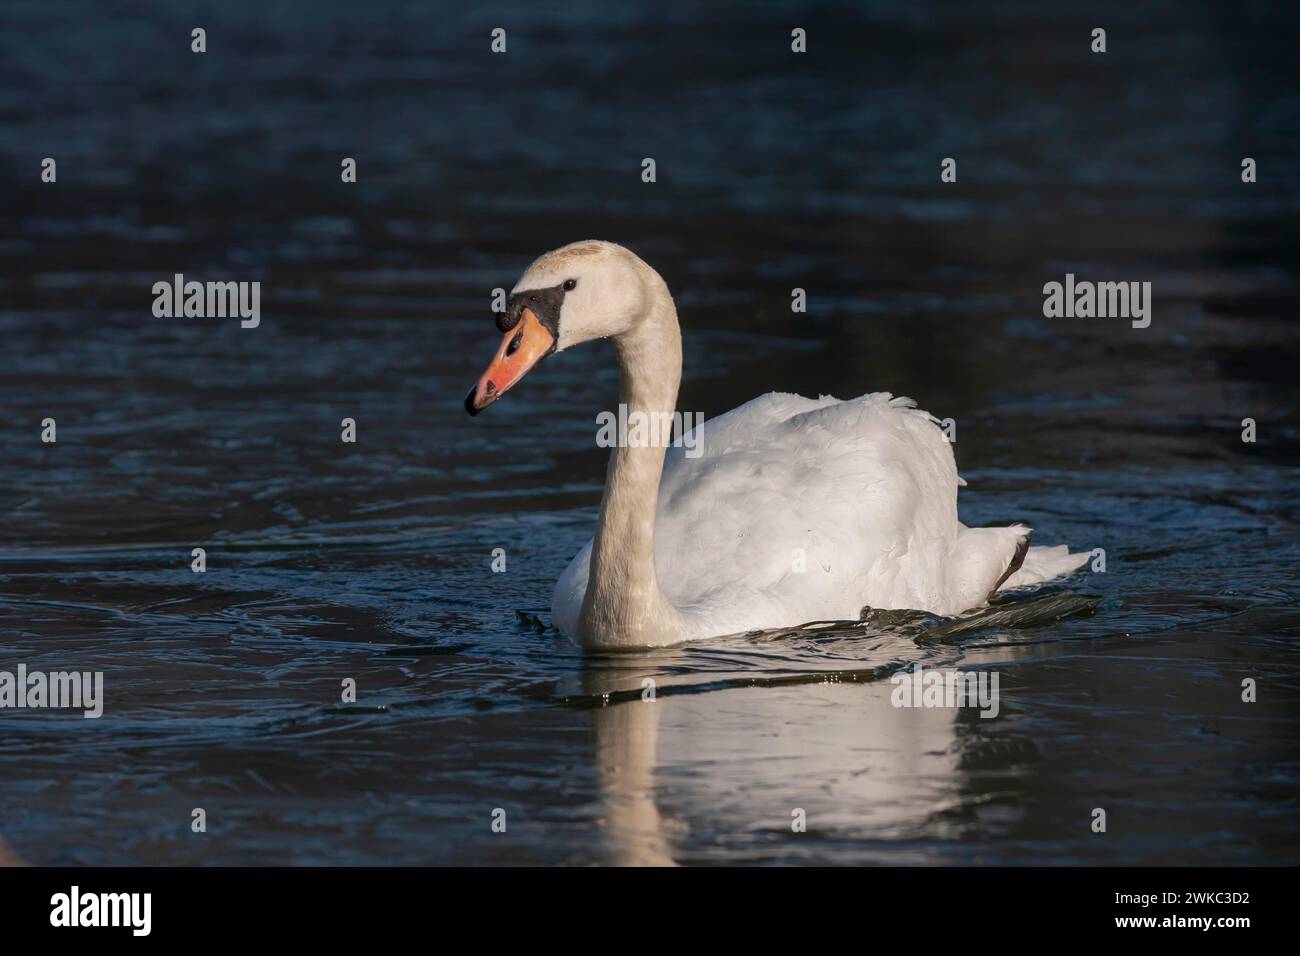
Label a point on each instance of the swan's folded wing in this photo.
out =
(808, 506)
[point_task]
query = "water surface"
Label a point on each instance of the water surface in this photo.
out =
(373, 561)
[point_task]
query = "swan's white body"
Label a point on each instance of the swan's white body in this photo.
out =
(795, 510)
(800, 510)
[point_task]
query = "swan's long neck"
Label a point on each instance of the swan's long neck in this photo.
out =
(624, 606)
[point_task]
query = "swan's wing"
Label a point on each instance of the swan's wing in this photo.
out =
(800, 508)
(790, 509)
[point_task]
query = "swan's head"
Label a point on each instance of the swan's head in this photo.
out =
(579, 292)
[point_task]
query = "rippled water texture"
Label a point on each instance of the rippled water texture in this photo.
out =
(372, 561)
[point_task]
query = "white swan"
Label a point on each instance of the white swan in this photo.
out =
(796, 510)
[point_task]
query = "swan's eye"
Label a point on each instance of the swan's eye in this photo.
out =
(570, 285)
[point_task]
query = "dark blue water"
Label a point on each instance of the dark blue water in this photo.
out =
(371, 561)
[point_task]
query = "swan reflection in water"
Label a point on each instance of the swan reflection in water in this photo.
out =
(750, 757)
(742, 732)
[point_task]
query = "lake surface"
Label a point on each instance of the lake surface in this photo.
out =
(372, 561)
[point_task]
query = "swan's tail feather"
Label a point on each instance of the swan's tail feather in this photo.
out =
(1017, 561)
(982, 558)
(1043, 564)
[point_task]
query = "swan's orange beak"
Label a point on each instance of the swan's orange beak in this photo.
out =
(523, 347)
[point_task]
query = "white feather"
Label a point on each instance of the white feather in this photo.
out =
(860, 494)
